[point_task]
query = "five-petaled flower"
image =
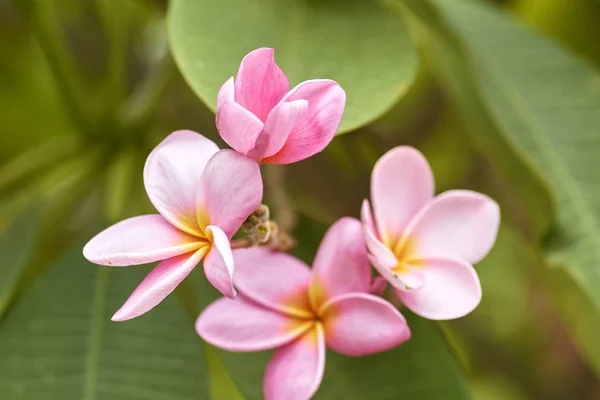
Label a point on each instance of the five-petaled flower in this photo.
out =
(203, 196)
(424, 245)
(259, 116)
(283, 305)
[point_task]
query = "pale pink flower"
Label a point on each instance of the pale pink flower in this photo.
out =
(259, 116)
(284, 304)
(203, 196)
(424, 245)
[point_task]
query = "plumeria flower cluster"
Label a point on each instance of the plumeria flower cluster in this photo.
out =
(423, 246)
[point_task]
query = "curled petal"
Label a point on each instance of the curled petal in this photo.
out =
(226, 93)
(231, 190)
(346, 317)
(277, 281)
(139, 240)
(260, 83)
(242, 325)
(312, 133)
(238, 127)
(159, 283)
(218, 264)
(296, 370)
(366, 218)
(378, 285)
(457, 224)
(341, 264)
(277, 129)
(451, 290)
(401, 184)
(172, 177)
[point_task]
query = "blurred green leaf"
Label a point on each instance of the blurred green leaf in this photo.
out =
(17, 245)
(443, 53)
(58, 341)
(548, 105)
(358, 43)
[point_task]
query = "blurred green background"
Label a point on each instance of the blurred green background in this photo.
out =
(502, 97)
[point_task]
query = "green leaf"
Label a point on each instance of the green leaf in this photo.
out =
(548, 105)
(444, 54)
(17, 244)
(421, 368)
(58, 341)
(360, 44)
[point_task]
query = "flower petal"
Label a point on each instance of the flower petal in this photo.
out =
(451, 290)
(401, 184)
(260, 83)
(226, 93)
(139, 240)
(341, 264)
(366, 217)
(296, 370)
(277, 281)
(231, 190)
(218, 264)
(159, 283)
(238, 127)
(456, 224)
(242, 325)
(279, 125)
(172, 177)
(345, 318)
(312, 133)
(378, 285)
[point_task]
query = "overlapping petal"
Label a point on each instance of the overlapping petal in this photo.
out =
(341, 263)
(172, 176)
(401, 184)
(139, 240)
(296, 369)
(456, 224)
(313, 132)
(218, 264)
(451, 290)
(260, 83)
(357, 324)
(231, 190)
(238, 127)
(241, 325)
(277, 281)
(159, 283)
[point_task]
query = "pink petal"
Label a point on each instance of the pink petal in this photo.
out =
(366, 217)
(238, 127)
(456, 224)
(312, 133)
(341, 264)
(401, 183)
(161, 281)
(277, 281)
(260, 83)
(232, 189)
(296, 370)
(357, 324)
(226, 93)
(218, 264)
(383, 260)
(279, 125)
(172, 177)
(139, 240)
(451, 290)
(378, 285)
(242, 325)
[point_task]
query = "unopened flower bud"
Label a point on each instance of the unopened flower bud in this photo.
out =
(263, 213)
(263, 233)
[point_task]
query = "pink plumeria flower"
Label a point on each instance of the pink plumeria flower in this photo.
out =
(259, 116)
(203, 196)
(424, 245)
(284, 304)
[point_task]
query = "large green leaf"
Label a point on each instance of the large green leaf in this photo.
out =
(548, 104)
(358, 43)
(58, 341)
(17, 244)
